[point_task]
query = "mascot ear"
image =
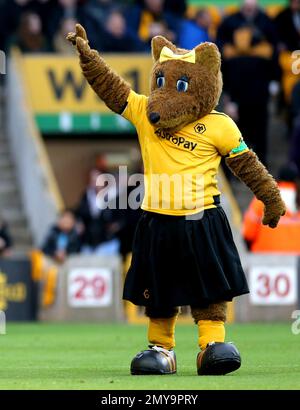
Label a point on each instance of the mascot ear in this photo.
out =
(208, 54)
(158, 43)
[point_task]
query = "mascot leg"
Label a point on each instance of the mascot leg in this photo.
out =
(160, 357)
(216, 356)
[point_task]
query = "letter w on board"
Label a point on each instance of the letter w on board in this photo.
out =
(60, 86)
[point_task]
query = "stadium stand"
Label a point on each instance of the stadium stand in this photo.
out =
(55, 128)
(39, 193)
(11, 207)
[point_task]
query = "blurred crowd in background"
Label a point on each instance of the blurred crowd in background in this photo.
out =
(129, 25)
(112, 25)
(256, 50)
(92, 228)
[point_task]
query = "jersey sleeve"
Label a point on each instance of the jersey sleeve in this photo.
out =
(229, 141)
(135, 109)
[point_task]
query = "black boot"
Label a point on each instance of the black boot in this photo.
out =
(218, 359)
(154, 360)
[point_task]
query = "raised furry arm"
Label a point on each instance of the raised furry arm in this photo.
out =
(106, 83)
(254, 174)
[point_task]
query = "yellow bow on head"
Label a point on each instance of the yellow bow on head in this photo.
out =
(167, 54)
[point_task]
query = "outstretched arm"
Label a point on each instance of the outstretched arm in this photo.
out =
(253, 173)
(107, 84)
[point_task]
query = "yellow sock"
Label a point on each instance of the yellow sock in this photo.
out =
(210, 331)
(161, 332)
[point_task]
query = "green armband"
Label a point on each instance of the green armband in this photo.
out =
(240, 148)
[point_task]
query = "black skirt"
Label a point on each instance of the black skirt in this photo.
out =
(179, 262)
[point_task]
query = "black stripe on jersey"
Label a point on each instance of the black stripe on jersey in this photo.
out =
(217, 200)
(218, 113)
(123, 108)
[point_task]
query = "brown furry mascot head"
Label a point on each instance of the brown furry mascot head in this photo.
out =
(185, 85)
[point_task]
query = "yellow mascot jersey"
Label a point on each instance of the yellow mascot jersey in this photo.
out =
(181, 168)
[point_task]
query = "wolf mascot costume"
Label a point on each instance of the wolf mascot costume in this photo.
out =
(183, 252)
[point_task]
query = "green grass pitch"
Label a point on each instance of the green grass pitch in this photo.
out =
(97, 356)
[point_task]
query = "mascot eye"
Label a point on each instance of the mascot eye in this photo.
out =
(182, 86)
(160, 81)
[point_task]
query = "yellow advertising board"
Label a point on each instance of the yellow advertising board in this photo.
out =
(60, 95)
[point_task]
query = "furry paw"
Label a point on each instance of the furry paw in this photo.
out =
(79, 32)
(80, 41)
(273, 212)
